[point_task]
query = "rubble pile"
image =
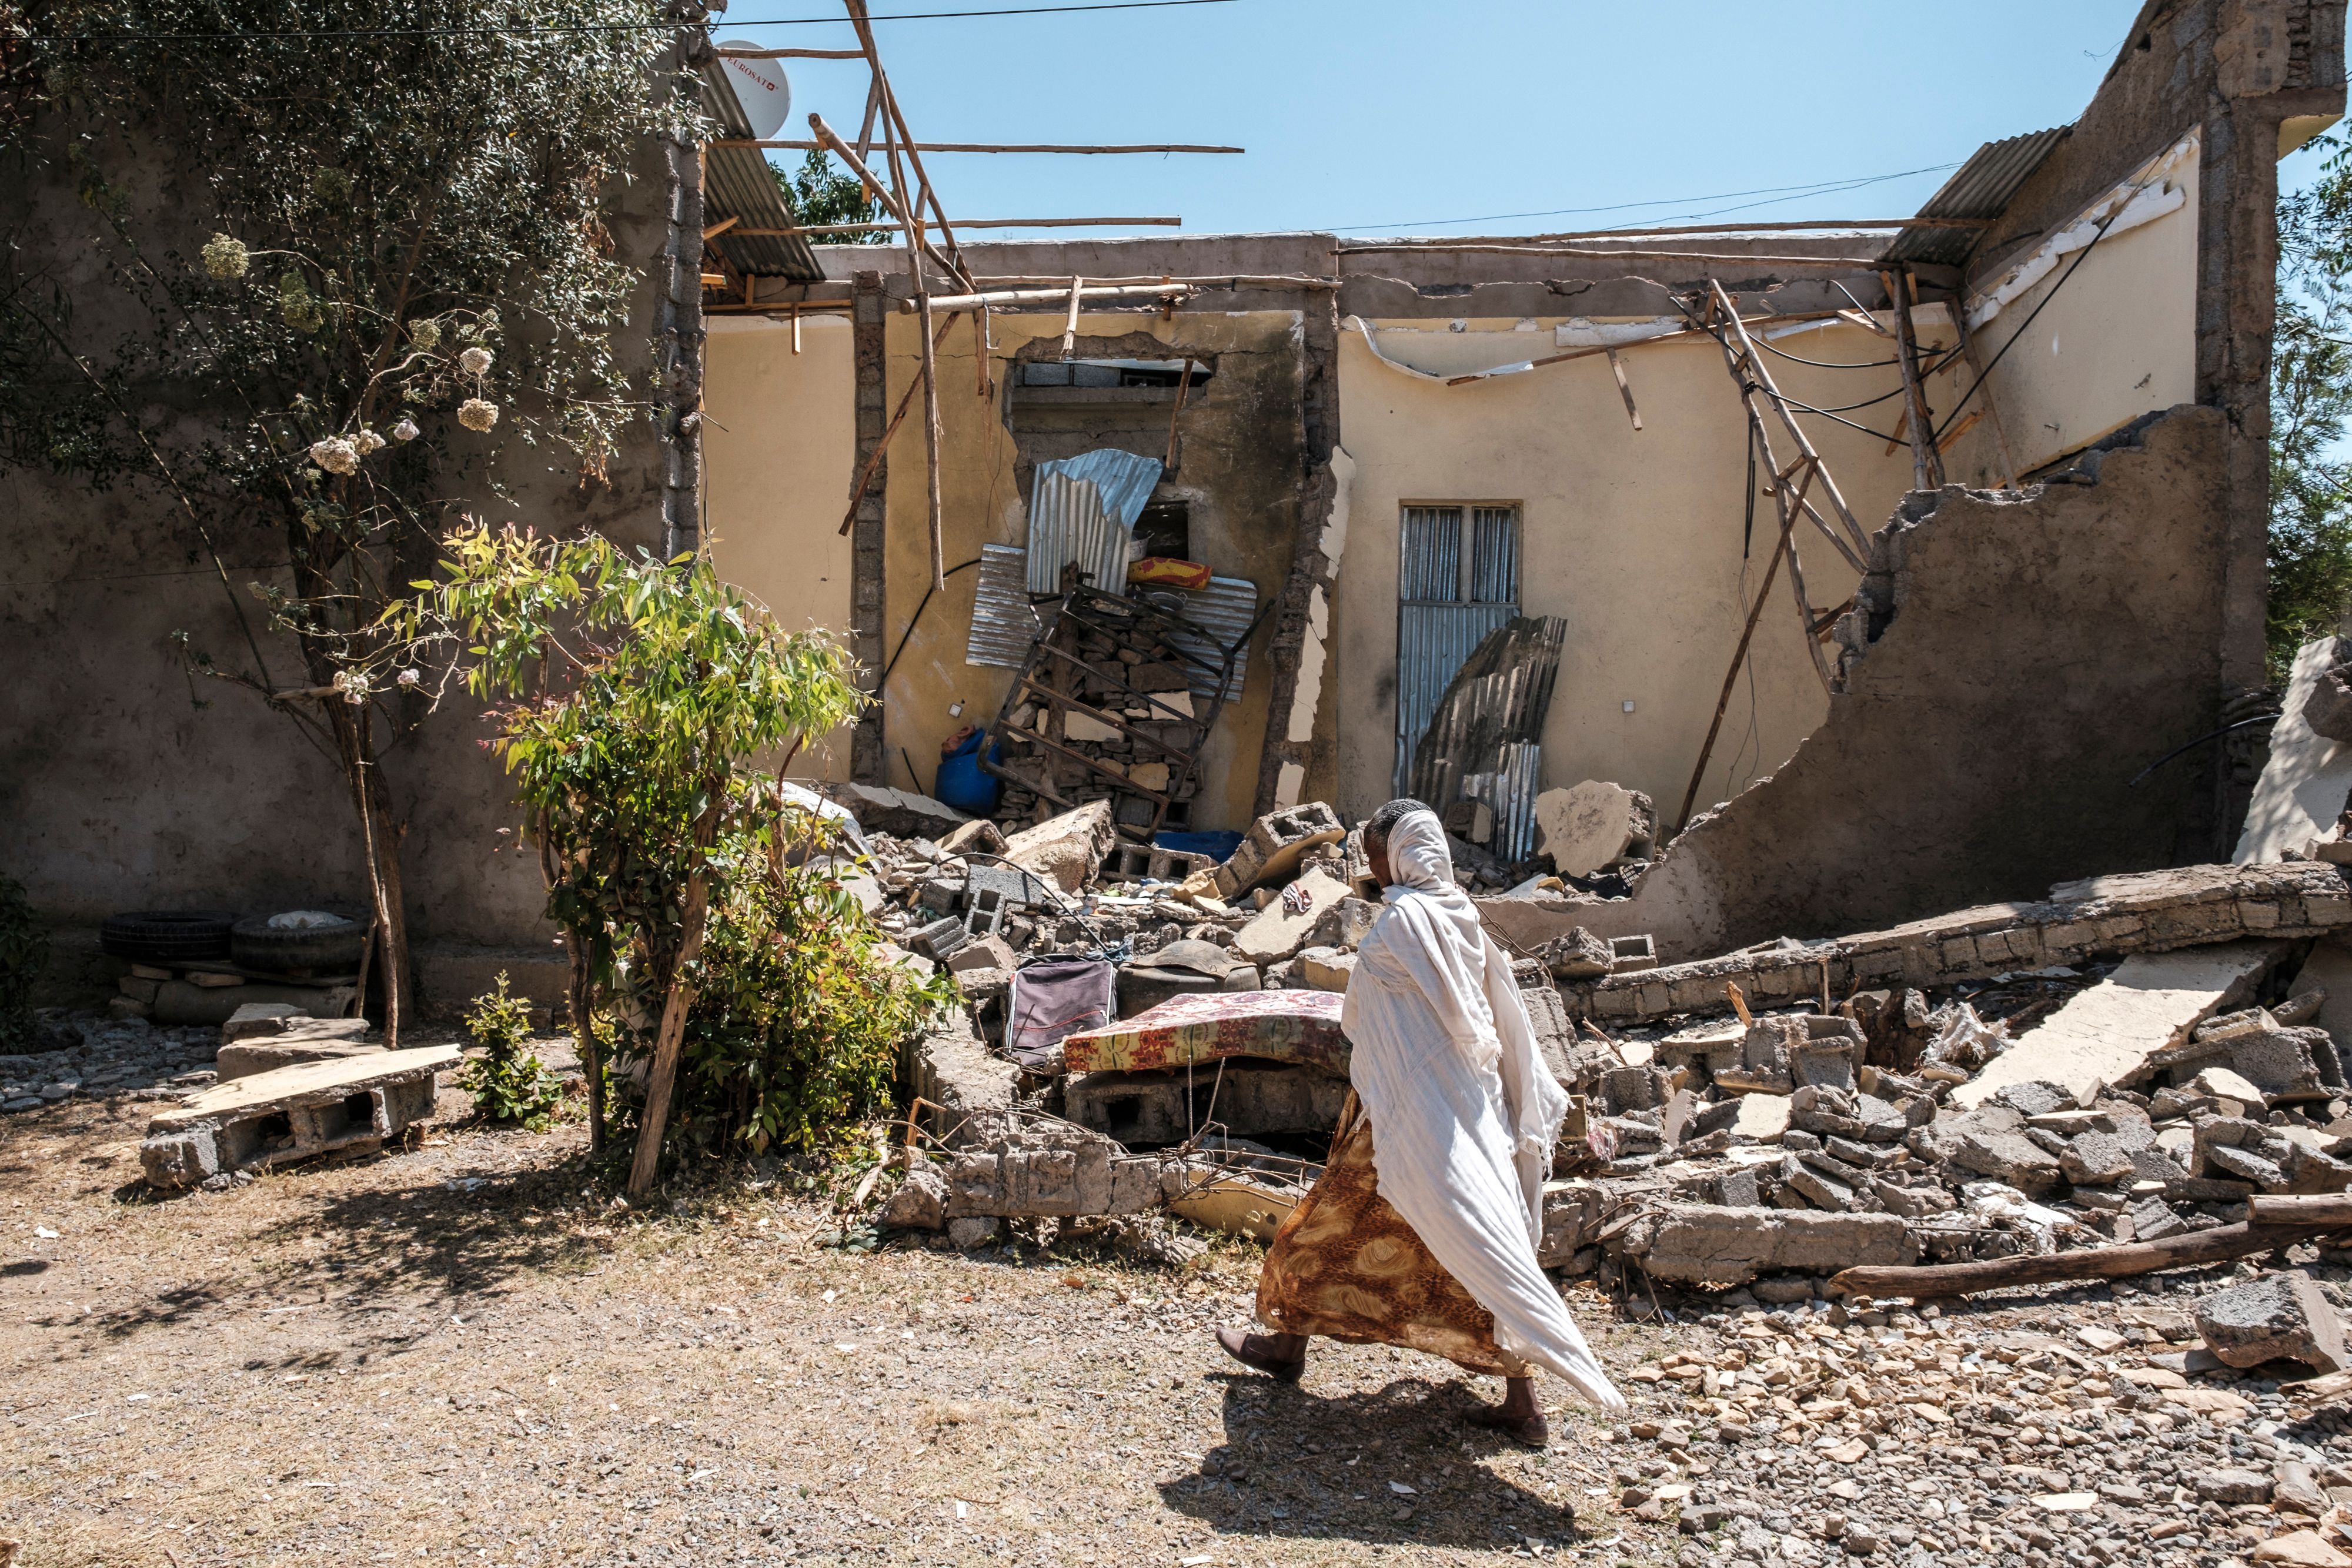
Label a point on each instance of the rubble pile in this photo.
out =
(99, 1057)
(1130, 674)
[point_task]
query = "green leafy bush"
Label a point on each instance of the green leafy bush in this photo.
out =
(506, 1081)
(799, 1016)
(24, 954)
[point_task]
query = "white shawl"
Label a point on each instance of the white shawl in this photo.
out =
(1465, 1114)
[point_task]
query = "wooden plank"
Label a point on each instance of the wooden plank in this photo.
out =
(722, 226)
(1835, 262)
(874, 458)
(1013, 298)
(1624, 388)
(1946, 442)
(1070, 325)
(793, 54)
(1927, 467)
(1754, 369)
(2199, 1247)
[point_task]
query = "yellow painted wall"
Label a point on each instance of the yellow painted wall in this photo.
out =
(1634, 538)
(2117, 341)
(779, 440)
(1242, 520)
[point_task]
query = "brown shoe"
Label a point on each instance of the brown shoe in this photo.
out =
(1532, 1431)
(1256, 1352)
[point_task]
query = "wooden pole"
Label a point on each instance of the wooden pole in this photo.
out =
(1926, 467)
(1184, 385)
(1750, 367)
(1838, 263)
(817, 55)
(1739, 655)
(1005, 298)
(2198, 1247)
(874, 458)
(984, 353)
(667, 1043)
(1070, 324)
(1624, 388)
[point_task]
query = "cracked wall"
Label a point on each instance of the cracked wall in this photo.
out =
(2018, 657)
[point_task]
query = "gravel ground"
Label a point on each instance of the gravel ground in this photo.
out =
(460, 1351)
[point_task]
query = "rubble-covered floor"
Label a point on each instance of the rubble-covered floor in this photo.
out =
(449, 1354)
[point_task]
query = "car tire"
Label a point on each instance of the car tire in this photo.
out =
(164, 936)
(255, 944)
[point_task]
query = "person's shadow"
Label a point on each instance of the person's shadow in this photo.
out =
(1387, 1465)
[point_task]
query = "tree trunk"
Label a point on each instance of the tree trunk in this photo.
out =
(669, 1042)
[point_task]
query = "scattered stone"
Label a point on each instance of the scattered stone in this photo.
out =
(2279, 1317)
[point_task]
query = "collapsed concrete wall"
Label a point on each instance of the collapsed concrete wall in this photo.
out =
(2019, 657)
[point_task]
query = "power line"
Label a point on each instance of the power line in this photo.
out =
(604, 26)
(1780, 193)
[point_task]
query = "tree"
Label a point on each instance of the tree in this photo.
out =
(407, 278)
(821, 194)
(2311, 404)
(634, 697)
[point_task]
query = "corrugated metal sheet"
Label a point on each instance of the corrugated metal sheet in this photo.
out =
(1429, 555)
(1979, 188)
(1497, 697)
(1510, 790)
(1083, 510)
(1003, 624)
(1495, 555)
(737, 183)
(1431, 642)
(1224, 610)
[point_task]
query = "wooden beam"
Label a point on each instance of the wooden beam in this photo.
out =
(798, 146)
(1070, 326)
(1740, 653)
(874, 459)
(964, 224)
(1927, 464)
(720, 227)
(2198, 1247)
(1000, 299)
(1624, 388)
(1448, 247)
(1960, 311)
(792, 53)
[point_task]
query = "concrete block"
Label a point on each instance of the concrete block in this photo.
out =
(1067, 849)
(1145, 1110)
(315, 1040)
(1594, 825)
(1279, 931)
(953, 1071)
(1326, 968)
(1720, 1245)
(292, 1113)
(2279, 1317)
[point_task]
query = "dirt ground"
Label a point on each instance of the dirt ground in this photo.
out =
(459, 1351)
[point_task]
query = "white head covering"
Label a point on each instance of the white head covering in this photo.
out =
(1463, 1107)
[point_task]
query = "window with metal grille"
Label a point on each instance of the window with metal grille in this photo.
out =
(1457, 579)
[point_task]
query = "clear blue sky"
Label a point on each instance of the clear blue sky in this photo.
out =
(1374, 116)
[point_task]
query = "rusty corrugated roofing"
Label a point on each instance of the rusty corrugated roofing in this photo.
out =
(1979, 188)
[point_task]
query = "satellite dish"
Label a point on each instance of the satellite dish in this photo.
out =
(759, 87)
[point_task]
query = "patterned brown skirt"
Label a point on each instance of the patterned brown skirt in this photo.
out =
(1345, 1265)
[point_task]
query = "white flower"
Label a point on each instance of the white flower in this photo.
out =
(474, 360)
(335, 455)
(475, 414)
(405, 430)
(411, 676)
(224, 256)
(367, 441)
(424, 332)
(353, 684)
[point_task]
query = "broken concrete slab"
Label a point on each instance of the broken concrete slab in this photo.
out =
(2104, 1037)
(953, 1070)
(1698, 1243)
(1593, 825)
(292, 1113)
(2145, 912)
(1067, 849)
(919, 1200)
(2327, 971)
(1274, 845)
(1300, 1027)
(314, 1039)
(2308, 777)
(1280, 929)
(901, 813)
(2279, 1317)
(1053, 1169)
(1326, 968)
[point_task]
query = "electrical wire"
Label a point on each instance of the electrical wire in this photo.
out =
(2028, 322)
(1785, 192)
(1825, 364)
(564, 29)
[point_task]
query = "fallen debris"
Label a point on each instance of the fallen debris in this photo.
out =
(291, 1113)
